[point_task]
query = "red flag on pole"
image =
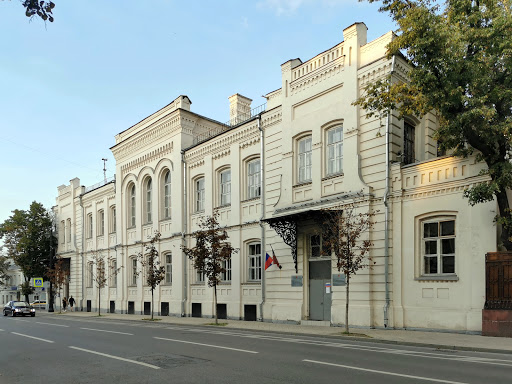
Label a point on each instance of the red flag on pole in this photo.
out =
(274, 258)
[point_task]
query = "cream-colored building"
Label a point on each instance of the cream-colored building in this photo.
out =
(266, 173)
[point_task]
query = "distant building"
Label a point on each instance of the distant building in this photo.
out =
(266, 172)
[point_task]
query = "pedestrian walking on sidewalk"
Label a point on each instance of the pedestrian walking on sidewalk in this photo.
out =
(71, 304)
(64, 304)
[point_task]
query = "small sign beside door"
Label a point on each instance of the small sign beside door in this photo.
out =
(297, 281)
(338, 280)
(327, 287)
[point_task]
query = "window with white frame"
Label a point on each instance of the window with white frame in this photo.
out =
(409, 155)
(199, 194)
(438, 246)
(253, 179)
(62, 232)
(199, 277)
(334, 155)
(90, 274)
(226, 275)
(304, 160)
(113, 273)
(318, 247)
(133, 262)
(101, 222)
(89, 225)
(225, 187)
(131, 206)
(168, 268)
(148, 200)
(113, 219)
(254, 260)
(68, 232)
(167, 195)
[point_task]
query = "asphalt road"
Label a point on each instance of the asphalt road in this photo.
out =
(51, 349)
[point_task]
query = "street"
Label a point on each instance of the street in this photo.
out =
(60, 349)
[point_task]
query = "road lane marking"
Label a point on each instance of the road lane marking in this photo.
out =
(19, 320)
(32, 337)
(102, 330)
(205, 345)
(56, 325)
(385, 373)
(116, 357)
(1, 330)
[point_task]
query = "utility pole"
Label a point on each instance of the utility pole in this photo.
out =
(105, 169)
(50, 301)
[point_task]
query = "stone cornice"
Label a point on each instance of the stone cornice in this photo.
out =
(318, 75)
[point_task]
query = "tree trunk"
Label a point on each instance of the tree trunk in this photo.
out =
(346, 303)
(99, 301)
(152, 300)
(60, 302)
(215, 303)
(503, 206)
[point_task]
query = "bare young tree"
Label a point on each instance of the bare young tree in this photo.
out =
(342, 231)
(58, 275)
(211, 252)
(151, 267)
(104, 269)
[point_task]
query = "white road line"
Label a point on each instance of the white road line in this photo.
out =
(1, 330)
(102, 330)
(116, 357)
(20, 320)
(56, 325)
(205, 345)
(385, 373)
(32, 337)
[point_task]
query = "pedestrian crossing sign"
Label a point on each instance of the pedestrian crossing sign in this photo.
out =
(37, 282)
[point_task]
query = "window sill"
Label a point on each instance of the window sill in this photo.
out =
(333, 176)
(165, 219)
(251, 199)
(303, 184)
(224, 283)
(224, 206)
(437, 278)
(255, 282)
(132, 227)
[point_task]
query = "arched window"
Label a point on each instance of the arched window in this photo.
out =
(131, 212)
(199, 194)
(254, 261)
(168, 268)
(101, 222)
(225, 187)
(253, 179)
(409, 156)
(304, 160)
(112, 219)
(334, 155)
(148, 198)
(89, 225)
(167, 195)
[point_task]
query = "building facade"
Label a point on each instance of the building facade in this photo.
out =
(266, 174)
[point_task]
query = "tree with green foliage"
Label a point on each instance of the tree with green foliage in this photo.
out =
(152, 269)
(4, 266)
(28, 241)
(211, 252)
(461, 61)
(58, 276)
(342, 231)
(42, 9)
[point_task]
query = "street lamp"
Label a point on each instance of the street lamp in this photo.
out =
(50, 302)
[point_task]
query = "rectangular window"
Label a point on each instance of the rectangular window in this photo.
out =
(89, 225)
(335, 150)
(134, 271)
(101, 223)
(200, 195)
(69, 230)
(113, 219)
(409, 140)
(90, 274)
(254, 261)
(225, 187)
(254, 179)
(113, 273)
(62, 232)
(168, 268)
(226, 275)
(199, 277)
(304, 160)
(438, 247)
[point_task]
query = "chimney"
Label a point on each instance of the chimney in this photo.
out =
(239, 109)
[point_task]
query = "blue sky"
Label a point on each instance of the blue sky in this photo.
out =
(68, 87)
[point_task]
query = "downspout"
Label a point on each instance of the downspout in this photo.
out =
(262, 207)
(184, 232)
(83, 261)
(386, 209)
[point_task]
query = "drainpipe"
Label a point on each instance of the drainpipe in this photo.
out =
(386, 210)
(83, 265)
(262, 206)
(183, 233)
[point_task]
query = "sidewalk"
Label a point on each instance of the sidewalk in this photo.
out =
(439, 340)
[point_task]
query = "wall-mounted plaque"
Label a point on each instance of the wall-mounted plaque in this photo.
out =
(339, 280)
(297, 281)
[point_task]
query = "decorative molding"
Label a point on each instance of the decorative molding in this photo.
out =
(221, 154)
(146, 158)
(252, 141)
(318, 75)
